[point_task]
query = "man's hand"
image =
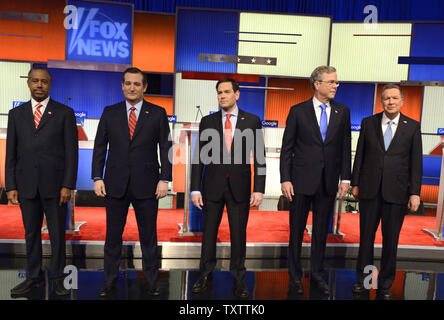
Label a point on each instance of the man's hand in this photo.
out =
(162, 189)
(355, 192)
(99, 188)
(414, 202)
(65, 195)
(287, 190)
(12, 196)
(197, 200)
(256, 199)
(343, 189)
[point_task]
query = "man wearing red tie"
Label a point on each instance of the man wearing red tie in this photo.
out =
(132, 129)
(41, 171)
(226, 180)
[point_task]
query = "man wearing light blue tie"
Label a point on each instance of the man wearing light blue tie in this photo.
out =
(315, 165)
(387, 174)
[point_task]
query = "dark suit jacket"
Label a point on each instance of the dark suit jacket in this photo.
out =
(132, 161)
(304, 154)
(398, 171)
(43, 159)
(209, 170)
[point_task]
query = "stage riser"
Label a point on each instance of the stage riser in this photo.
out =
(192, 251)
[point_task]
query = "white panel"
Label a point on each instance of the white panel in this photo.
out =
(415, 286)
(273, 137)
(429, 143)
(3, 121)
(432, 110)
(192, 93)
(370, 58)
(273, 179)
(12, 87)
(90, 128)
(299, 60)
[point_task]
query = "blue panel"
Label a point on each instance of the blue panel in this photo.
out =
(425, 43)
(104, 33)
(84, 181)
(89, 91)
(345, 279)
(440, 287)
(359, 98)
(205, 32)
(252, 100)
(431, 170)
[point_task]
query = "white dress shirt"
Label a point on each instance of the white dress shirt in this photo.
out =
(384, 124)
(34, 104)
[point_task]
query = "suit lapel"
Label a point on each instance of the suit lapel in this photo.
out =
(124, 119)
(143, 115)
(49, 113)
(28, 115)
(332, 122)
(311, 115)
(378, 130)
(402, 124)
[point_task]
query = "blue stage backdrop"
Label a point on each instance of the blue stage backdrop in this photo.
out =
(205, 32)
(425, 44)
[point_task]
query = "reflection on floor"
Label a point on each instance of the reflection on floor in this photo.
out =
(266, 280)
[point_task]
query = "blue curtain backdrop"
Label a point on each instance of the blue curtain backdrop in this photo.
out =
(340, 10)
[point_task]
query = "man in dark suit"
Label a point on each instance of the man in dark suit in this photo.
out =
(41, 171)
(226, 140)
(386, 178)
(132, 129)
(315, 156)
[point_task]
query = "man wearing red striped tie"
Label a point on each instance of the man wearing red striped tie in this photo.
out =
(132, 130)
(41, 171)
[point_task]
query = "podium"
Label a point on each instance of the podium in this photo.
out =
(192, 217)
(71, 226)
(438, 232)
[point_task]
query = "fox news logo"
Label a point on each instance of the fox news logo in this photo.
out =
(99, 32)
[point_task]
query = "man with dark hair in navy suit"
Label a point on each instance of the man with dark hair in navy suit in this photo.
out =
(133, 130)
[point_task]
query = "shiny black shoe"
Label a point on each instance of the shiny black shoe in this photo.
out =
(59, 289)
(240, 289)
(322, 286)
(383, 294)
(296, 287)
(152, 289)
(108, 289)
(26, 286)
(202, 284)
(359, 288)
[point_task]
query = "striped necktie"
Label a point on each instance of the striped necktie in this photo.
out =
(132, 122)
(37, 115)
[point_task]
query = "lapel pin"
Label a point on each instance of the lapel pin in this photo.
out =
(405, 121)
(242, 118)
(147, 112)
(49, 112)
(336, 111)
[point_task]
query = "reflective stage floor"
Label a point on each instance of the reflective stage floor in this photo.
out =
(265, 279)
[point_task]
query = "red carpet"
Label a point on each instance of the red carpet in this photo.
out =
(263, 227)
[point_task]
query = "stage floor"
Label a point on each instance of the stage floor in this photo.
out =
(267, 236)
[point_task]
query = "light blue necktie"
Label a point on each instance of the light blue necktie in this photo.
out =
(323, 122)
(388, 135)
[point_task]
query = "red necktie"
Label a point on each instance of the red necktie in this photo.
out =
(37, 115)
(132, 122)
(227, 132)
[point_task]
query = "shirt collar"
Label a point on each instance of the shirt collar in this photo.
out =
(385, 119)
(234, 113)
(317, 103)
(138, 105)
(44, 103)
